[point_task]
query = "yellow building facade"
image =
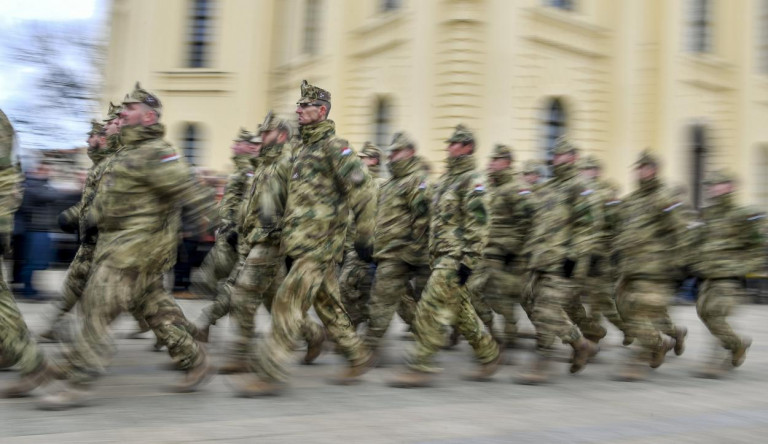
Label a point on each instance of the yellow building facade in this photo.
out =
(686, 78)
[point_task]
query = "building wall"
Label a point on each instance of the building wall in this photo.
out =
(624, 72)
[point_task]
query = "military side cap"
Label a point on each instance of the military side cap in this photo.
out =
(591, 162)
(113, 112)
(531, 167)
(96, 128)
(310, 93)
(370, 150)
(141, 95)
(461, 134)
(719, 176)
(401, 141)
(272, 122)
(501, 151)
(647, 158)
(564, 146)
(243, 136)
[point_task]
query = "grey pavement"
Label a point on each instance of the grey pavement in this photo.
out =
(132, 403)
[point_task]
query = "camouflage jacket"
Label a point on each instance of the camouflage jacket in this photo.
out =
(327, 181)
(566, 222)
(730, 243)
(7, 139)
(234, 193)
(511, 212)
(459, 220)
(261, 215)
(138, 201)
(11, 193)
(351, 236)
(402, 217)
(79, 211)
(651, 233)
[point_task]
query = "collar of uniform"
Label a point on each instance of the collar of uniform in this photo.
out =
(374, 170)
(131, 135)
(650, 185)
(564, 172)
(270, 153)
(501, 177)
(722, 202)
(242, 161)
(403, 167)
(461, 164)
(311, 134)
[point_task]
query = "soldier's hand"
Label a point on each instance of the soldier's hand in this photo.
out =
(364, 251)
(67, 225)
(232, 238)
(464, 274)
(568, 266)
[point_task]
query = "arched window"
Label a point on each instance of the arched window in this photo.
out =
(200, 30)
(312, 27)
(383, 122)
(191, 143)
(700, 26)
(554, 126)
(698, 163)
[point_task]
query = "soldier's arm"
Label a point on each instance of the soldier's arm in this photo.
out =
(418, 201)
(475, 211)
(233, 196)
(357, 185)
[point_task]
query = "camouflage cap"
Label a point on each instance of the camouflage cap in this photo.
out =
(501, 151)
(370, 150)
(461, 134)
(532, 166)
(272, 122)
(590, 162)
(647, 158)
(719, 176)
(564, 146)
(401, 141)
(243, 135)
(113, 112)
(141, 95)
(310, 93)
(96, 128)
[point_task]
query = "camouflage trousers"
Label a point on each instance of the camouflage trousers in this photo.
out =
(217, 266)
(112, 291)
(599, 294)
(397, 287)
(77, 278)
(555, 306)
(309, 283)
(443, 303)
(355, 283)
(717, 297)
(256, 282)
(643, 306)
(16, 345)
(501, 287)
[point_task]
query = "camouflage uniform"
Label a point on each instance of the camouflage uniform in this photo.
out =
(262, 267)
(504, 263)
(458, 233)
(402, 236)
(729, 246)
(222, 259)
(356, 277)
(651, 251)
(136, 212)
(327, 178)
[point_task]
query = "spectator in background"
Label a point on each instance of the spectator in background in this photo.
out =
(36, 221)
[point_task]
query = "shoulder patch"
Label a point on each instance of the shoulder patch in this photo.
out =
(524, 192)
(587, 192)
(169, 157)
(346, 151)
(672, 207)
(423, 186)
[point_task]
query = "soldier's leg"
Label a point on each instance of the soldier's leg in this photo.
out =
(485, 347)
(389, 288)
(16, 345)
(217, 265)
(352, 288)
(407, 307)
(76, 279)
(553, 295)
(601, 302)
(502, 291)
(715, 304)
(638, 305)
(434, 313)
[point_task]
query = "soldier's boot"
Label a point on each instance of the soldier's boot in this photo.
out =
(485, 371)
(537, 373)
(24, 386)
(628, 340)
(740, 352)
(71, 397)
(596, 336)
(658, 355)
(412, 379)
(314, 348)
(351, 375)
(632, 371)
(680, 334)
(583, 349)
(453, 340)
(197, 375)
(233, 366)
(254, 387)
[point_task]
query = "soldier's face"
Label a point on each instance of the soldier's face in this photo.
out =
(310, 113)
(457, 149)
(496, 165)
(646, 172)
(113, 127)
(564, 158)
(531, 178)
(590, 173)
(93, 141)
(720, 189)
(269, 138)
(404, 153)
(370, 161)
(134, 114)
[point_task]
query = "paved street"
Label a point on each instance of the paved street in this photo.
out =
(133, 405)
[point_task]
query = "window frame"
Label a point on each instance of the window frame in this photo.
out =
(199, 34)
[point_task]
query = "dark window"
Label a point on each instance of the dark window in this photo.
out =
(191, 143)
(554, 126)
(312, 27)
(698, 163)
(390, 5)
(199, 34)
(700, 26)
(383, 122)
(561, 4)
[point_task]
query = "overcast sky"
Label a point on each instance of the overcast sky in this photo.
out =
(17, 19)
